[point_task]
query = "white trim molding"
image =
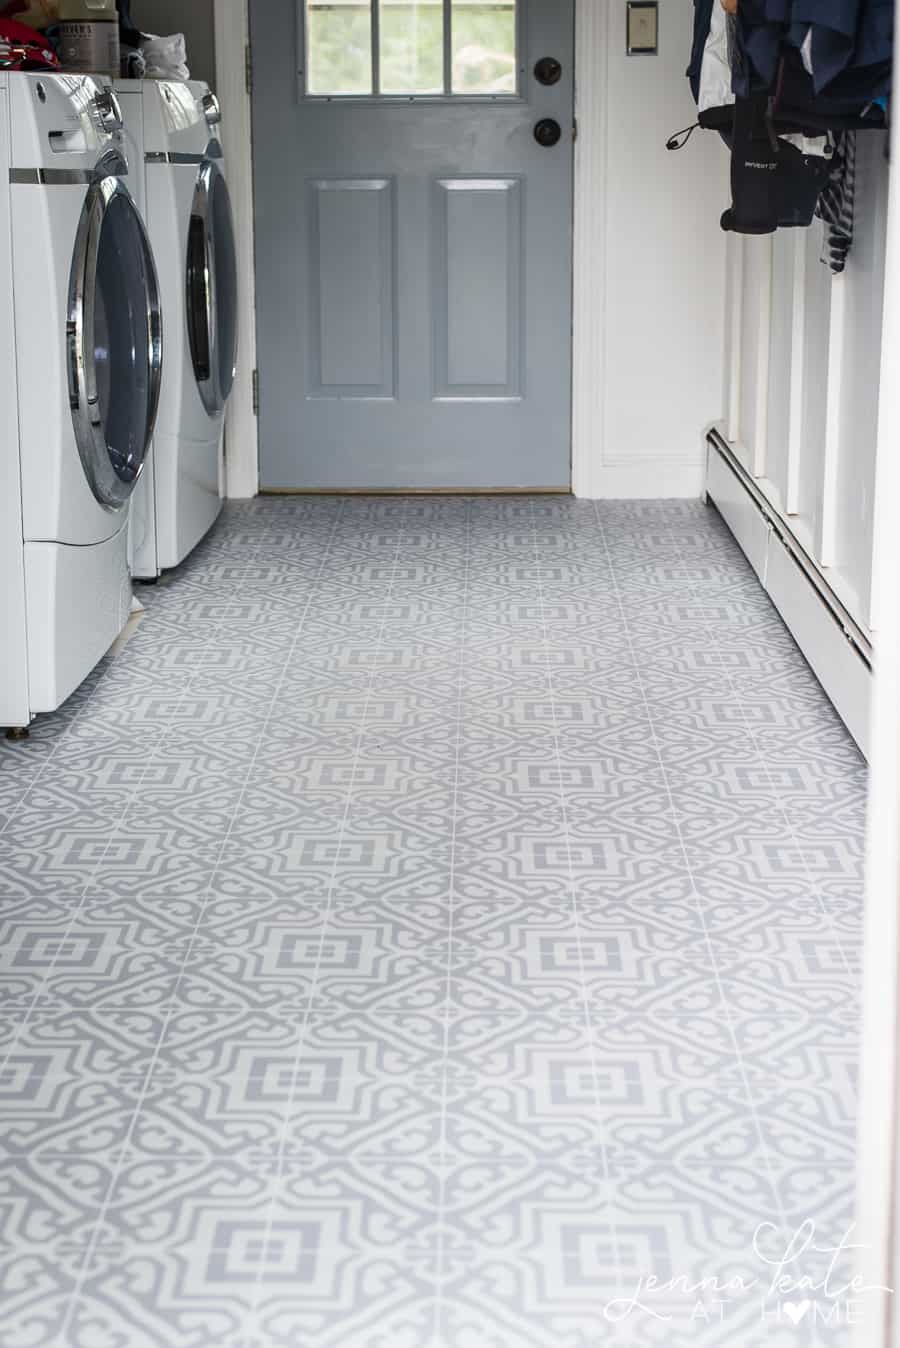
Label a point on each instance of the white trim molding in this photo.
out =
(241, 439)
(589, 259)
(649, 265)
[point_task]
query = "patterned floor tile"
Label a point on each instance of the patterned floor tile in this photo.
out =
(440, 919)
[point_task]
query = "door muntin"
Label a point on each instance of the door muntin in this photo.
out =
(113, 339)
(428, 50)
(211, 282)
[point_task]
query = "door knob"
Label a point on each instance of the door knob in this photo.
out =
(548, 133)
(548, 70)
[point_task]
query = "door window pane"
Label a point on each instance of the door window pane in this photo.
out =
(339, 47)
(412, 46)
(411, 56)
(484, 47)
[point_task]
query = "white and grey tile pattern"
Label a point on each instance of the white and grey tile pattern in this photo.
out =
(441, 915)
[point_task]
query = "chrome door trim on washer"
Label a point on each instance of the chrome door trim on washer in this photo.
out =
(214, 369)
(212, 151)
(111, 165)
(173, 157)
(110, 488)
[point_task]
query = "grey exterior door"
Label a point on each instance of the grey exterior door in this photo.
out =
(414, 243)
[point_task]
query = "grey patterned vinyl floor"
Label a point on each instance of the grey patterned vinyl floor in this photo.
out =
(440, 917)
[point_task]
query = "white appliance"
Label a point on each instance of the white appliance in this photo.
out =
(173, 127)
(80, 366)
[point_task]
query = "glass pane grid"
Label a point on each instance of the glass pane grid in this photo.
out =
(412, 48)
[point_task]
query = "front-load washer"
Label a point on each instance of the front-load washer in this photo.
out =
(81, 343)
(189, 220)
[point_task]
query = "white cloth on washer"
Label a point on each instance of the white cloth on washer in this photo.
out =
(166, 57)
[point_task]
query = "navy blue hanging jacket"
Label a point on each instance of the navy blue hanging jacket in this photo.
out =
(852, 43)
(750, 77)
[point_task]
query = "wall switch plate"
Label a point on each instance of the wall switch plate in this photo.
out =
(643, 27)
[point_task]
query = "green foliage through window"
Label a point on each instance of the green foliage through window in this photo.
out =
(411, 47)
(484, 49)
(339, 42)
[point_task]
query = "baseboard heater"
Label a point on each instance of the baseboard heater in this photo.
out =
(837, 649)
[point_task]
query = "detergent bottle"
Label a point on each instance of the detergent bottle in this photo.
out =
(89, 37)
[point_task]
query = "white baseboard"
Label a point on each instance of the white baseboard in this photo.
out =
(811, 610)
(645, 479)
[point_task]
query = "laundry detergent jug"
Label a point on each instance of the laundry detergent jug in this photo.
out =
(89, 36)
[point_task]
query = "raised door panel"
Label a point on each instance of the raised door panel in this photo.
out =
(478, 285)
(351, 268)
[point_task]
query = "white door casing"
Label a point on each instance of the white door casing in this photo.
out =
(241, 446)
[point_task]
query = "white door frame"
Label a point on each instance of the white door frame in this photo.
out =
(242, 441)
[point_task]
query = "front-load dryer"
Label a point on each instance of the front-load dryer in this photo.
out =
(189, 220)
(81, 343)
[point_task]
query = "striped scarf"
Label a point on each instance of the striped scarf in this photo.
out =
(835, 208)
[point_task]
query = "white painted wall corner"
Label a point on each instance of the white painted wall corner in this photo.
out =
(241, 437)
(649, 330)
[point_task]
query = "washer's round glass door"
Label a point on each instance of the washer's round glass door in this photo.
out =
(212, 305)
(114, 336)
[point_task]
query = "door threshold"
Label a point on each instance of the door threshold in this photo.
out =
(415, 491)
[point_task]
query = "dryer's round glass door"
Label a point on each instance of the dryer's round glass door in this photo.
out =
(212, 301)
(115, 342)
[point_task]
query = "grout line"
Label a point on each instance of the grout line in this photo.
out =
(279, 1160)
(698, 903)
(750, 732)
(812, 889)
(653, 711)
(573, 898)
(75, 1295)
(79, 900)
(441, 1257)
(99, 675)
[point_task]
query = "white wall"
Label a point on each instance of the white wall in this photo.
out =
(854, 522)
(241, 426)
(804, 392)
(650, 263)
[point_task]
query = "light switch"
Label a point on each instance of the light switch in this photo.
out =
(643, 27)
